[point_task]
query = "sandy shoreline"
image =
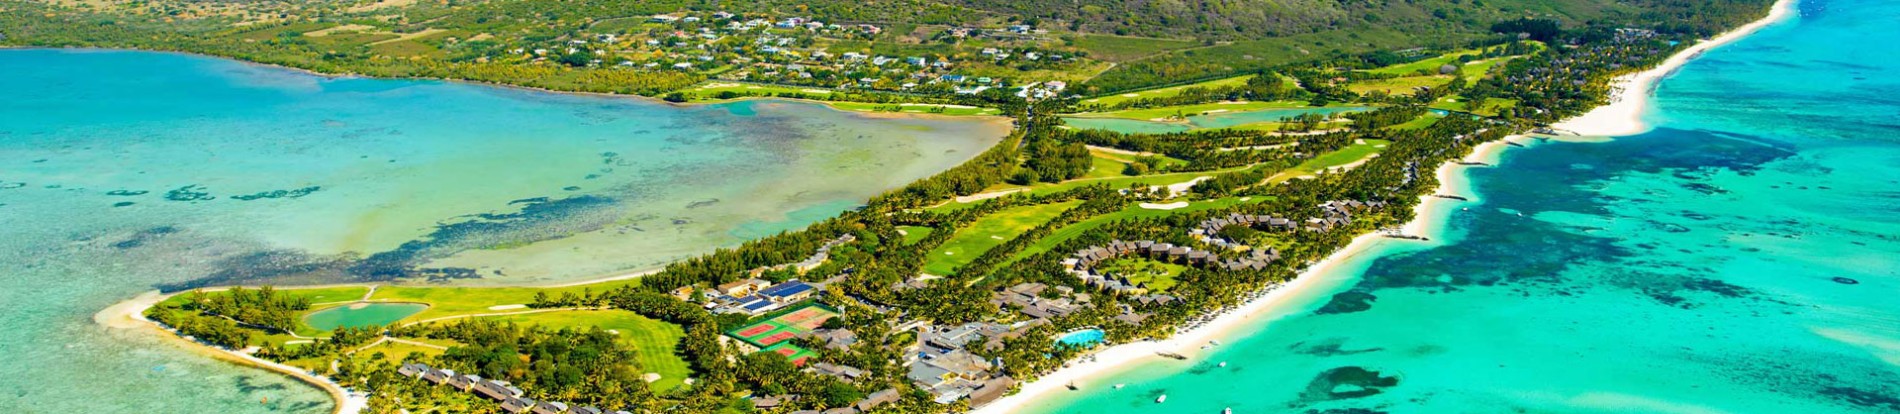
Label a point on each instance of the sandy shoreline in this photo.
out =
(1630, 94)
(130, 315)
(1622, 117)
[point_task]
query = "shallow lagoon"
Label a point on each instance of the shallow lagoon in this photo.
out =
(125, 171)
(1742, 258)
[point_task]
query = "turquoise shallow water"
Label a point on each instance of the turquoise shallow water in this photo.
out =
(125, 171)
(1744, 257)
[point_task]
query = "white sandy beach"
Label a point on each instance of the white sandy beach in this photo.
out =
(1631, 93)
(1620, 118)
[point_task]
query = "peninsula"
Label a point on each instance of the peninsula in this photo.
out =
(1061, 252)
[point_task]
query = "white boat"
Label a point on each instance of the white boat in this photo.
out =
(1223, 364)
(1119, 386)
(1163, 398)
(1228, 410)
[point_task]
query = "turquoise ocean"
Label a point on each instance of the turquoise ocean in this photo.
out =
(1742, 257)
(122, 172)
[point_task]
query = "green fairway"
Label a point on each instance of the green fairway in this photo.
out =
(1102, 166)
(1164, 92)
(1399, 86)
(913, 234)
(1429, 65)
(1193, 110)
(1459, 104)
(393, 351)
(987, 233)
(653, 341)
(1348, 155)
(1421, 122)
(452, 301)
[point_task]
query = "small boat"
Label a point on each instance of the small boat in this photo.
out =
(1163, 398)
(1223, 364)
(1072, 387)
(1119, 386)
(1228, 410)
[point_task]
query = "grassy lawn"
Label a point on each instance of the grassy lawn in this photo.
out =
(1192, 110)
(913, 234)
(1124, 48)
(1157, 276)
(1163, 92)
(653, 340)
(987, 233)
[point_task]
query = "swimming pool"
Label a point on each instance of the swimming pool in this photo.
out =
(1084, 337)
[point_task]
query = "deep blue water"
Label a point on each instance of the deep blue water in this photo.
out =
(1742, 257)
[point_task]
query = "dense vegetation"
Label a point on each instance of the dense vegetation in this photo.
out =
(1545, 69)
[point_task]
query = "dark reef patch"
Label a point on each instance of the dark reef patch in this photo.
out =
(139, 238)
(538, 220)
(192, 192)
(1846, 280)
(249, 386)
(1347, 302)
(125, 193)
(1346, 383)
(1863, 398)
(1345, 411)
(278, 193)
(1328, 347)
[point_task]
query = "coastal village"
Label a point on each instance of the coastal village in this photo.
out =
(955, 291)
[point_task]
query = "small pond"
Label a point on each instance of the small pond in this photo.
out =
(361, 314)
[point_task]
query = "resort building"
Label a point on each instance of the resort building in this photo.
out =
(788, 292)
(517, 405)
(550, 408)
(743, 288)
